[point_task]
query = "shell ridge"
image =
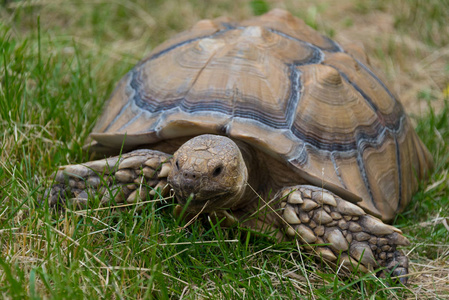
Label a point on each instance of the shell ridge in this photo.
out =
(260, 117)
(371, 141)
(180, 44)
(295, 95)
(228, 26)
(317, 56)
(318, 51)
(364, 141)
(361, 92)
(336, 168)
(360, 139)
(301, 157)
(362, 170)
(146, 105)
(399, 127)
(393, 127)
(382, 84)
(337, 47)
(156, 126)
(183, 100)
(137, 116)
(137, 97)
(118, 116)
(203, 107)
(300, 160)
(368, 70)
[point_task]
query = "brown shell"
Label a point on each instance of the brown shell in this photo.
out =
(277, 84)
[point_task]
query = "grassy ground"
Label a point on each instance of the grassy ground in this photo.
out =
(59, 62)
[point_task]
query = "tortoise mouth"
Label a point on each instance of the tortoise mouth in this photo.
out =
(198, 202)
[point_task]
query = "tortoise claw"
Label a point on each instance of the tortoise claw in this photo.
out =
(398, 267)
(401, 274)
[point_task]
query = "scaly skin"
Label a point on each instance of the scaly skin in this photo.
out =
(346, 234)
(117, 180)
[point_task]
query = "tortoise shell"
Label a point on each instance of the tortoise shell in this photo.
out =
(278, 85)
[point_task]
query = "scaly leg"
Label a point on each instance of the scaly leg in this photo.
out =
(316, 216)
(120, 179)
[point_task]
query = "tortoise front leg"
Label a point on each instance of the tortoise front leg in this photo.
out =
(117, 180)
(316, 216)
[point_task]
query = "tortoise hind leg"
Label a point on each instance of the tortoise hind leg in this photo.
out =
(117, 180)
(355, 239)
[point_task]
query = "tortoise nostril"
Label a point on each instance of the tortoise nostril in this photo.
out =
(189, 175)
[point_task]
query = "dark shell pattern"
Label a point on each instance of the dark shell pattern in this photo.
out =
(280, 86)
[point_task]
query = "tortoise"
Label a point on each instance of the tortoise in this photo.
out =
(266, 123)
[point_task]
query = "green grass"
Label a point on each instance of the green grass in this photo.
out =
(59, 62)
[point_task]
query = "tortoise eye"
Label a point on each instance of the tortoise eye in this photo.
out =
(217, 171)
(177, 164)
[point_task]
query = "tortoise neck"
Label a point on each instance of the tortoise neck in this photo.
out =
(255, 175)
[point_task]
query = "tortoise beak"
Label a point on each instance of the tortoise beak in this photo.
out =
(196, 199)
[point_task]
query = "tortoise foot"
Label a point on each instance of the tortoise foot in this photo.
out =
(397, 265)
(341, 232)
(116, 180)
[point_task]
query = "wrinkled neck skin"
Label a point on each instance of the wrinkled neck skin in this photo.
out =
(256, 176)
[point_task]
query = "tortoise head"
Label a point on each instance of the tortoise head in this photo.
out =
(210, 169)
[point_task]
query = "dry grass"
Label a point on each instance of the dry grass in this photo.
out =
(85, 47)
